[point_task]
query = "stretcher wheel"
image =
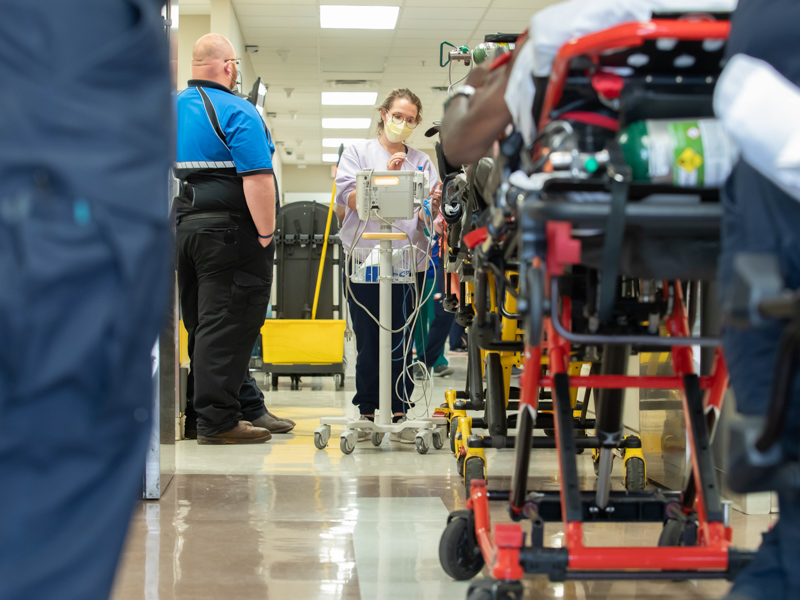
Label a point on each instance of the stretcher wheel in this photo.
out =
(275, 379)
(634, 475)
(438, 442)
(679, 532)
(480, 594)
(460, 464)
(453, 432)
(295, 382)
(459, 552)
(474, 468)
(580, 433)
(376, 437)
(339, 380)
(550, 432)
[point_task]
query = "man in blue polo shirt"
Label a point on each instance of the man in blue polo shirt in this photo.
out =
(226, 219)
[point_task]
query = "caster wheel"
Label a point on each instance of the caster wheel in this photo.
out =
(634, 475)
(339, 381)
(275, 379)
(460, 465)
(345, 446)
(580, 433)
(474, 468)
(480, 594)
(295, 383)
(459, 552)
(321, 436)
(376, 437)
(672, 534)
(438, 441)
(421, 444)
(550, 432)
(453, 432)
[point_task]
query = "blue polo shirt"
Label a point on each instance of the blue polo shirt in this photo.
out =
(221, 138)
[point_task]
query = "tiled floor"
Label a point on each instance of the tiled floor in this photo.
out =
(285, 521)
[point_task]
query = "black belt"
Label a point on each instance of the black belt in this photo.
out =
(220, 214)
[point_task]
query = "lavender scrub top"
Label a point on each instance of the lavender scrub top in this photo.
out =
(369, 154)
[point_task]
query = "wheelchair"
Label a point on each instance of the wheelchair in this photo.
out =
(603, 265)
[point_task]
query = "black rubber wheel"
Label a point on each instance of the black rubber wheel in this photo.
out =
(474, 468)
(479, 594)
(453, 432)
(672, 534)
(459, 553)
(460, 464)
(275, 381)
(634, 475)
(580, 433)
(295, 383)
(550, 432)
(339, 380)
(495, 406)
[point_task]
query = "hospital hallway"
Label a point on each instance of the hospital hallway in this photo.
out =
(285, 521)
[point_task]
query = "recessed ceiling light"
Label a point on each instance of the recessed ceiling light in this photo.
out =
(358, 17)
(336, 142)
(336, 123)
(330, 157)
(349, 98)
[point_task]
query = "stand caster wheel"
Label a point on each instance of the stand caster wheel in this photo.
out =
(423, 441)
(460, 464)
(459, 553)
(438, 440)
(321, 436)
(634, 475)
(347, 443)
(376, 437)
(474, 468)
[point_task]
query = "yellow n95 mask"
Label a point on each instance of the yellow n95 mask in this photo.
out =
(396, 133)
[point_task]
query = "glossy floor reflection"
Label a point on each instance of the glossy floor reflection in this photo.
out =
(284, 520)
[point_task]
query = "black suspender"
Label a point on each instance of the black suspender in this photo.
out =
(212, 115)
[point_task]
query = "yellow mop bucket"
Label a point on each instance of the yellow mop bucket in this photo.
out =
(301, 341)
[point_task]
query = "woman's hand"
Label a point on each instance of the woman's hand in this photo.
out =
(396, 162)
(436, 199)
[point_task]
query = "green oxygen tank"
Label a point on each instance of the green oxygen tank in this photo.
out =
(687, 153)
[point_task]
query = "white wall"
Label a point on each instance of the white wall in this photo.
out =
(190, 29)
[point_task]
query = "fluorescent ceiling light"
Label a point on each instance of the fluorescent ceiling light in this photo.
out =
(358, 17)
(349, 98)
(336, 123)
(330, 157)
(336, 142)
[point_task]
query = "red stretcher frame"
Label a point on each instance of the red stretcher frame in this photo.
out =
(501, 548)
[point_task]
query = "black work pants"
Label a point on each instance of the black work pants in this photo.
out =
(224, 276)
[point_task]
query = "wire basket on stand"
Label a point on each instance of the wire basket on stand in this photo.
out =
(365, 264)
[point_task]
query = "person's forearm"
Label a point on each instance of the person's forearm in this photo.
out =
(351, 200)
(259, 192)
(470, 126)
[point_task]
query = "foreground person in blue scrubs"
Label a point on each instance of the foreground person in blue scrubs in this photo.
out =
(85, 142)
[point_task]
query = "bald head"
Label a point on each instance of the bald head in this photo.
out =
(211, 60)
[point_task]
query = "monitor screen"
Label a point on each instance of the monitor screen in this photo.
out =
(257, 96)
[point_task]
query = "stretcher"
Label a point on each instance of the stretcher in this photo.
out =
(589, 236)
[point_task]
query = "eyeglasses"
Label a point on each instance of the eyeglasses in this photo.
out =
(234, 60)
(398, 119)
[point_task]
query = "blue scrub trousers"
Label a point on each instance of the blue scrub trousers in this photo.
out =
(761, 218)
(84, 270)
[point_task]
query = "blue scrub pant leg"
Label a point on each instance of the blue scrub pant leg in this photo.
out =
(441, 326)
(76, 393)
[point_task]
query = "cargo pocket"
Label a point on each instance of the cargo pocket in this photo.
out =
(249, 296)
